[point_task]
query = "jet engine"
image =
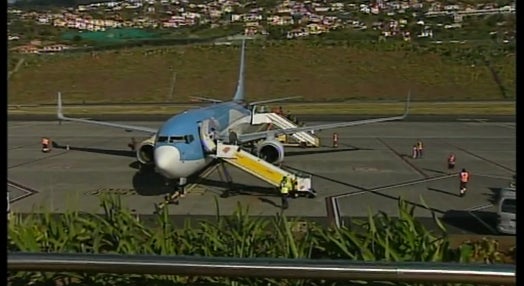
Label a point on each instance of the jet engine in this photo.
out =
(271, 151)
(145, 153)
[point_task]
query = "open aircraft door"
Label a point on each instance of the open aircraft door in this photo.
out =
(205, 136)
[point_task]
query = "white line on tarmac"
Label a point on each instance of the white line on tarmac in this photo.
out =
(478, 208)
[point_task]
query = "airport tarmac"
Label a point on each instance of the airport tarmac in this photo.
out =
(368, 172)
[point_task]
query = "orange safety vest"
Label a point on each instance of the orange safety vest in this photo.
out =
(464, 177)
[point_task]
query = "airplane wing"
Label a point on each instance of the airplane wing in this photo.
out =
(206, 99)
(276, 132)
(273, 100)
(61, 116)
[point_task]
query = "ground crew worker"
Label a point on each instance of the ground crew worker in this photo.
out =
(451, 161)
(414, 152)
(284, 192)
(132, 144)
(45, 145)
(335, 140)
(464, 179)
(213, 135)
(233, 138)
(420, 148)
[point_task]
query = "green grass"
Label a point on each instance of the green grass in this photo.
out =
(274, 69)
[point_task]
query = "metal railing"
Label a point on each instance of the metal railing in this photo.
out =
(500, 274)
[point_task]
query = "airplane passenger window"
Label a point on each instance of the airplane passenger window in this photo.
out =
(162, 139)
(189, 138)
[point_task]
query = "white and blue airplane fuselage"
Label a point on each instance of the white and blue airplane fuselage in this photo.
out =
(180, 147)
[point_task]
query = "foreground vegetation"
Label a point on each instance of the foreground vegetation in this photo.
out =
(379, 238)
(316, 69)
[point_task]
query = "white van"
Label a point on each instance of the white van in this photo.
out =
(507, 211)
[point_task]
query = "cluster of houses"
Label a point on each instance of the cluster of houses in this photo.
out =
(301, 18)
(39, 47)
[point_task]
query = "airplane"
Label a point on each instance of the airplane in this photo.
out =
(178, 148)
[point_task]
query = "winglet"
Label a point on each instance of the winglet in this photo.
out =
(59, 113)
(239, 94)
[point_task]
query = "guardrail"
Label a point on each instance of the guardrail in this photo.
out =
(500, 274)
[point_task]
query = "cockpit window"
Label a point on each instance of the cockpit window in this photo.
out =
(176, 139)
(189, 138)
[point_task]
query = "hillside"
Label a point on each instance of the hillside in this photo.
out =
(318, 73)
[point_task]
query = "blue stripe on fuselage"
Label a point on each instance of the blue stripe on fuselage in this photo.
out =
(186, 123)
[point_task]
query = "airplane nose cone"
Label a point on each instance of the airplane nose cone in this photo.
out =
(166, 158)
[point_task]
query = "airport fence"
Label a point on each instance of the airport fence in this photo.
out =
(480, 274)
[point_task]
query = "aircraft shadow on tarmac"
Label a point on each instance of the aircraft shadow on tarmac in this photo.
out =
(238, 189)
(453, 194)
(147, 182)
(290, 153)
(124, 153)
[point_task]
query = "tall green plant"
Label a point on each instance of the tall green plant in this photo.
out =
(117, 230)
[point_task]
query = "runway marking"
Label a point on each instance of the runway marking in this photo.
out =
(478, 208)
(60, 153)
(26, 190)
(506, 125)
(37, 160)
(493, 176)
(403, 158)
(334, 208)
(482, 158)
(27, 125)
(21, 146)
(114, 191)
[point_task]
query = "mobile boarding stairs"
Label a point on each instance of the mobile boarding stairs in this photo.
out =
(260, 116)
(236, 156)
(244, 160)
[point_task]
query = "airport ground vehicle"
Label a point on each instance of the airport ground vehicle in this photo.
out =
(507, 211)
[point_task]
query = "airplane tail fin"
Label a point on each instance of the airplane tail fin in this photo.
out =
(406, 110)
(239, 93)
(59, 113)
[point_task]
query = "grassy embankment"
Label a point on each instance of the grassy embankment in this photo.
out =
(325, 74)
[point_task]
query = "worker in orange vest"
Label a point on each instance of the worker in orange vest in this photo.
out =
(464, 179)
(46, 144)
(451, 161)
(420, 148)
